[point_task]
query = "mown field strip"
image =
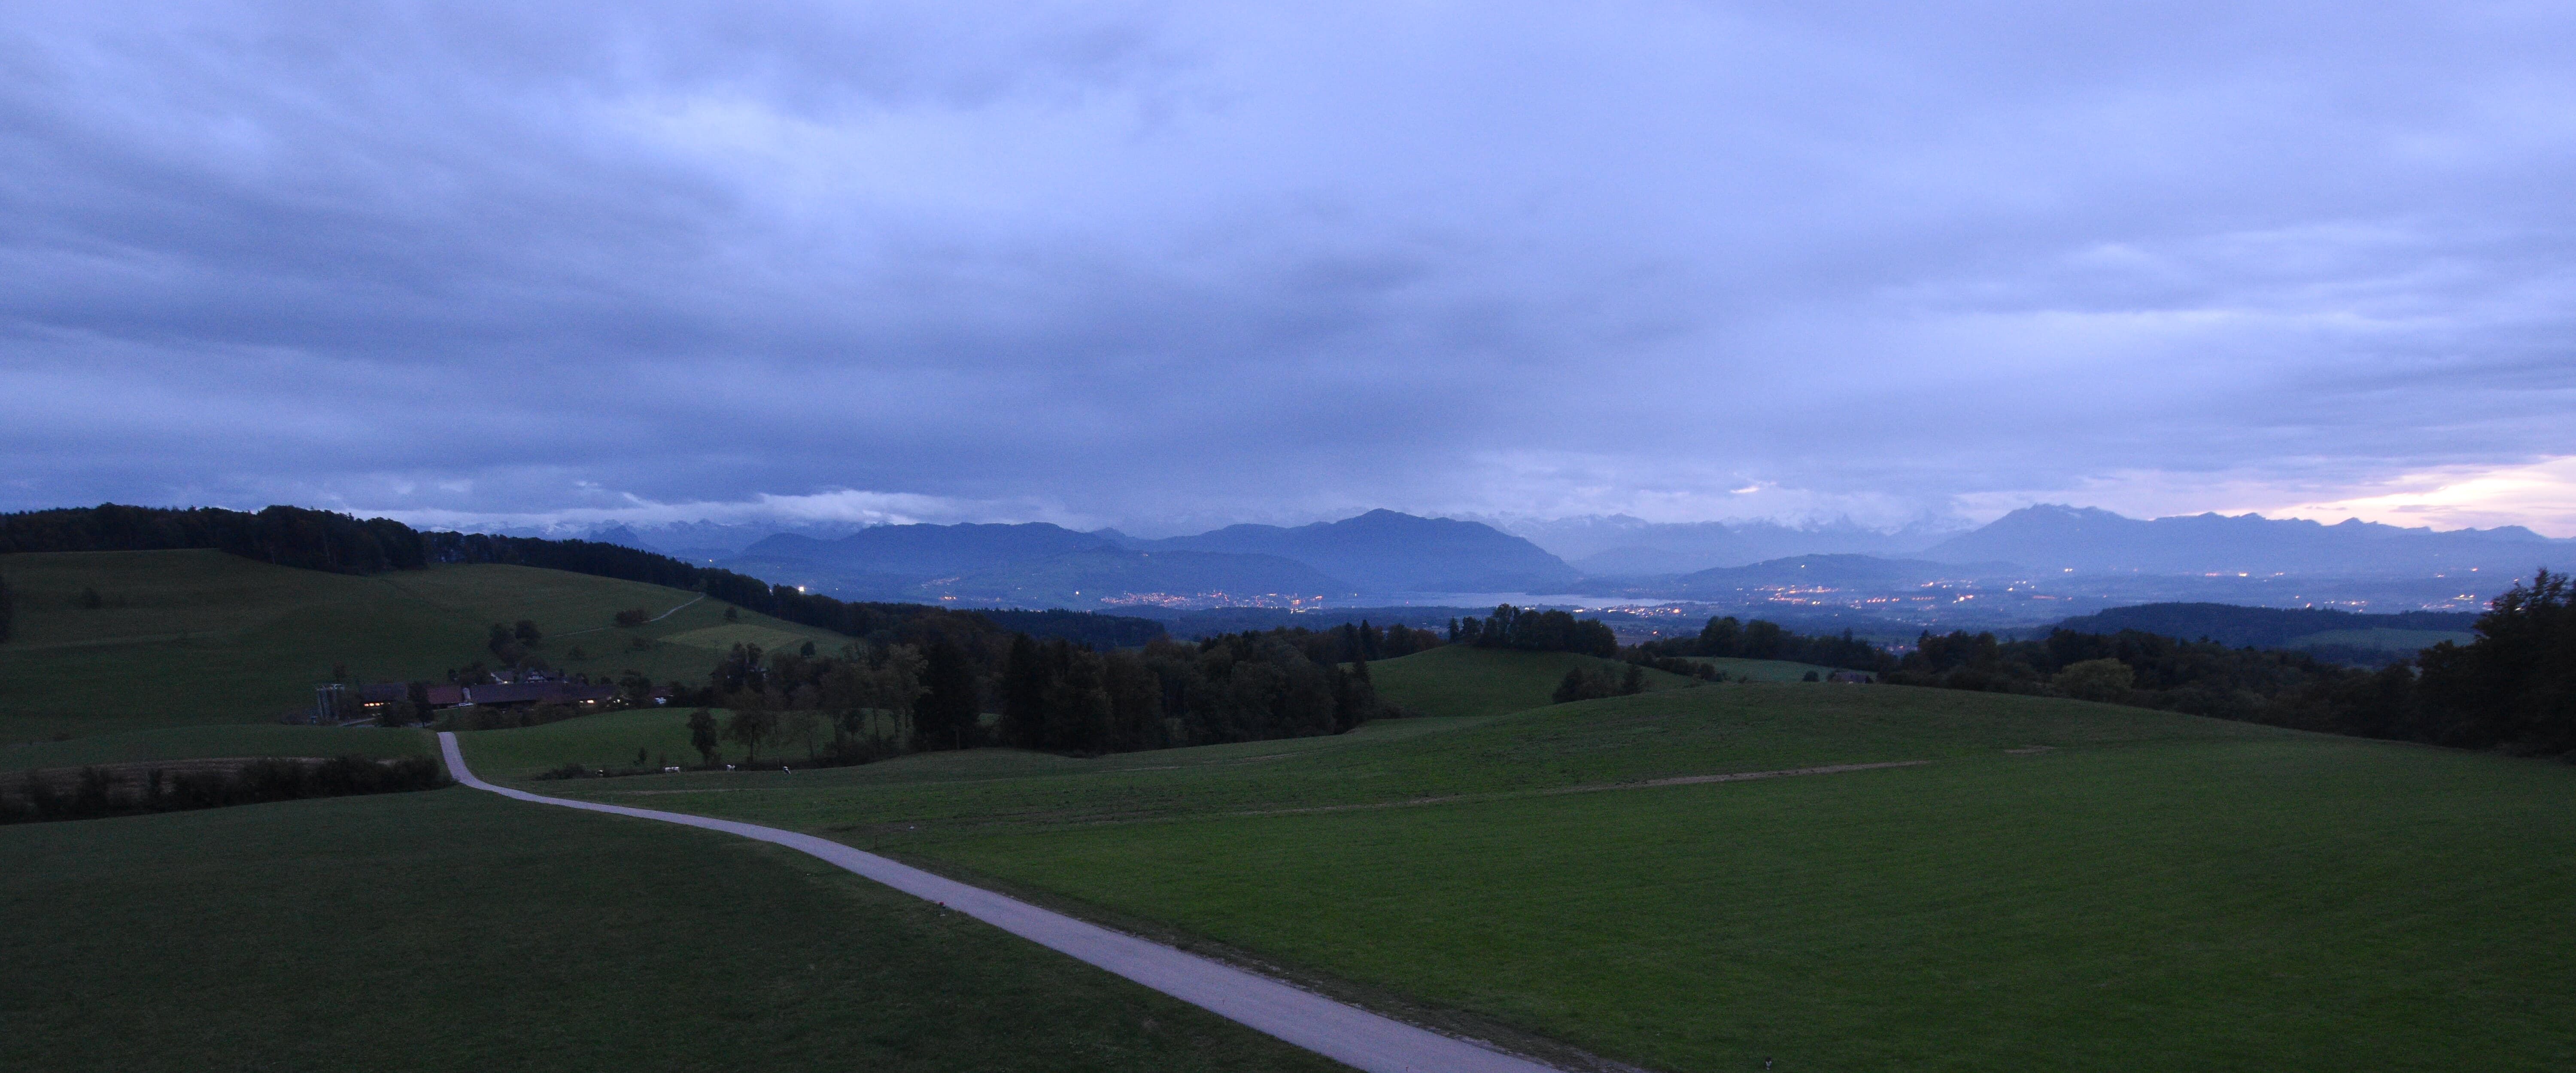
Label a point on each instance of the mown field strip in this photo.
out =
(1343, 1033)
(1590, 788)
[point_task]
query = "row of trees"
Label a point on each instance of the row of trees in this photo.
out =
(1759, 639)
(2514, 687)
(932, 694)
(872, 698)
(1580, 684)
(1532, 630)
(1250, 686)
(98, 791)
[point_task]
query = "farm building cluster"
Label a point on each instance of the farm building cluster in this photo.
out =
(338, 703)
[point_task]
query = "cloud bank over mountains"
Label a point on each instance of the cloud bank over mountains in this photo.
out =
(1174, 266)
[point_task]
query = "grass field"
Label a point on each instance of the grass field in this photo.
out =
(2054, 885)
(1455, 680)
(2245, 905)
(455, 930)
(1712, 730)
(2065, 886)
(196, 637)
(1765, 670)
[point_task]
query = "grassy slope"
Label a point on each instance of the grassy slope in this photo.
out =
(596, 741)
(1455, 680)
(1675, 734)
(249, 739)
(2250, 905)
(195, 637)
(980, 786)
(2159, 891)
(610, 741)
(454, 930)
(1765, 670)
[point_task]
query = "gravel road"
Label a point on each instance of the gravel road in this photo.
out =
(1341, 1032)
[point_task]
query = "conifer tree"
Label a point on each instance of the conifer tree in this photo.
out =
(947, 713)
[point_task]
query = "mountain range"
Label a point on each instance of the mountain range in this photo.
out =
(1829, 571)
(1040, 564)
(1617, 545)
(2086, 539)
(1388, 553)
(1384, 551)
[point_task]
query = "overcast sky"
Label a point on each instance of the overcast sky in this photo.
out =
(1165, 266)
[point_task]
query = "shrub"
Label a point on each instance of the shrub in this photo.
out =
(2095, 679)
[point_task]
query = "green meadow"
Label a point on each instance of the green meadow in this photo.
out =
(2249, 905)
(1458, 680)
(454, 929)
(241, 739)
(1731, 728)
(2062, 885)
(1765, 670)
(2018, 883)
(199, 637)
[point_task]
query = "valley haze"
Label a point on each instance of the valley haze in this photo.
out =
(2032, 566)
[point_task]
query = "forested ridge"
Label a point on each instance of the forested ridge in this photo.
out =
(2513, 688)
(286, 536)
(935, 669)
(339, 543)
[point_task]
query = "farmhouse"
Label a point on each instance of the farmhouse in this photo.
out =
(376, 698)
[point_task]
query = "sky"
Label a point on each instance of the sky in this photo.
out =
(1167, 266)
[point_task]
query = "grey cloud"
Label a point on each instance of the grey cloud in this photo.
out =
(1153, 262)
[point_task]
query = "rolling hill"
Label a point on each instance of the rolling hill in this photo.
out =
(2047, 884)
(1456, 680)
(547, 939)
(195, 637)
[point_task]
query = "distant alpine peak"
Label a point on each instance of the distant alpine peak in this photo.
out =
(2059, 536)
(2066, 510)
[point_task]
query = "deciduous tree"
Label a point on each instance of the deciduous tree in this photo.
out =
(750, 728)
(702, 735)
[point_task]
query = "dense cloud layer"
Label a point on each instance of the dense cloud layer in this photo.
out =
(1164, 266)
